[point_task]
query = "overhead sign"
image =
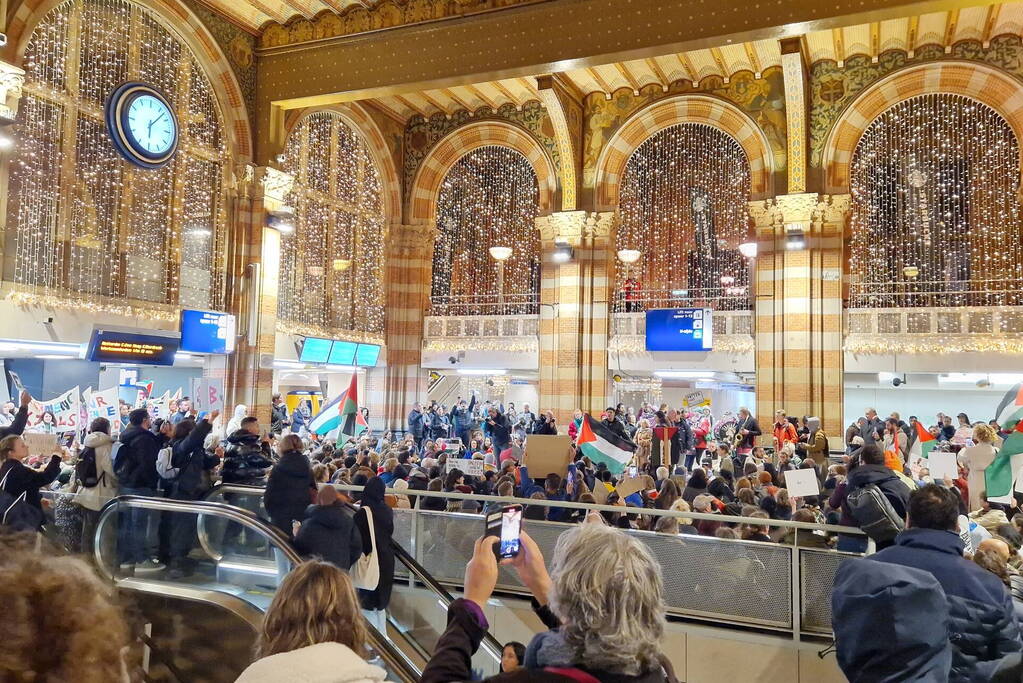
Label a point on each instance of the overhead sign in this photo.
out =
(367, 355)
(117, 346)
(315, 350)
(207, 332)
(679, 329)
(342, 353)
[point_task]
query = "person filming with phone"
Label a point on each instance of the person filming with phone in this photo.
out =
(499, 428)
(595, 633)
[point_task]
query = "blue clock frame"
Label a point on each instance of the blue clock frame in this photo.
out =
(118, 106)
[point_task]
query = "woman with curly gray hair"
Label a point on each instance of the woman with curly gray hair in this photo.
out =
(603, 601)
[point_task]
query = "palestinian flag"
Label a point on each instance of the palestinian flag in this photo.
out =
(602, 445)
(341, 414)
(1001, 474)
(922, 446)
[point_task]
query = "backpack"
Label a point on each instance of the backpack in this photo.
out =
(15, 512)
(124, 462)
(164, 466)
(85, 469)
(874, 513)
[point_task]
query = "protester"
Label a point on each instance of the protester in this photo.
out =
(329, 531)
(190, 460)
(290, 487)
(313, 631)
(512, 655)
(101, 486)
(247, 454)
(18, 480)
(279, 419)
(976, 459)
(376, 601)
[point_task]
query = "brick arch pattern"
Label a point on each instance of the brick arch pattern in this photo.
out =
(194, 34)
(997, 89)
(458, 143)
(672, 111)
(357, 118)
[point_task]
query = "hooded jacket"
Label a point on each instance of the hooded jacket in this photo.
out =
(329, 532)
(983, 626)
(289, 490)
(96, 497)
(140, 447)
(894, 490)
(320, 663)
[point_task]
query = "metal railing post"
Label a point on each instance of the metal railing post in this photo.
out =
(797, 593)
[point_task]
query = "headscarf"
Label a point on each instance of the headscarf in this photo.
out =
(373, 494)
(235, 423)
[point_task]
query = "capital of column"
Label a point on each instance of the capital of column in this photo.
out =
(415, 240)
(12, 79)
(810, 212)
(269, 184)
(574, 227)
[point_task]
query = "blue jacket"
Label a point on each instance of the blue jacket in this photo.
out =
(983, 625)
(461, 420)
(416, 424)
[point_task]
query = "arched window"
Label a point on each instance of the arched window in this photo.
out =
(684, 205)
(935, 211)
(88, 228)
(331, 265)
(488, 199)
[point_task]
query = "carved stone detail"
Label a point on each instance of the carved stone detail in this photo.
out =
(12, 79)
(576, 226)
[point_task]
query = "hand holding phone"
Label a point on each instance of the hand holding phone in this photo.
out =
(633, 471)
(506, 524)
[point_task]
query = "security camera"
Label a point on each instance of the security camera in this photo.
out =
(452, 360)
(898, 381)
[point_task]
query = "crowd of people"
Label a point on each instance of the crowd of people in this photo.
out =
(733, 479)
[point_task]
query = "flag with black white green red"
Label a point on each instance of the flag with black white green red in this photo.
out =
(1001, 475)
(352, 421)
(921, 448)
(601, 445)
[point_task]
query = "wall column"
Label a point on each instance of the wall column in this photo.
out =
(255, 264)
(799, 358)
(12, 79)
(575, 312)
(407, 293)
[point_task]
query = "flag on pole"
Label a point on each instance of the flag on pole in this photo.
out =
(352, 421)
(1001, 474)
(921, 448)
(601, 445)
(329, 417)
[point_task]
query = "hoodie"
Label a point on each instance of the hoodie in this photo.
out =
(329, 532)
(320, 663)
(289, 490)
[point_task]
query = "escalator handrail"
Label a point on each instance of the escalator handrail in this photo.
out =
(490, 643)
(393, 657)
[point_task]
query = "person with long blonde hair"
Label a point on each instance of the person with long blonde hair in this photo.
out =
(313, 630)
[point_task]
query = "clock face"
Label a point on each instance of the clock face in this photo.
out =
(142, 125)
(151, 124)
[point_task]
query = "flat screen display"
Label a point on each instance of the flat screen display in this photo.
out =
(342, 353)
(679, 329)
(207, 332)
(110, 346)
(315, 350)
(367, 355)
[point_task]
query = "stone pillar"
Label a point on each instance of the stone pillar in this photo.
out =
(12, 79)
(407, 293)
(799, 358)
(255, 264)
(575, 312)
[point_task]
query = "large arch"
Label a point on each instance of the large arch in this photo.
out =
(670, 111)
(359, 120)
(426, 185)
(183, 22)
(998, 90)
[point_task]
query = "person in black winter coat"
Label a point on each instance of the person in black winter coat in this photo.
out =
(278, 415)
(17, 478)
(291, 485)
(615, 425)
(545, 424)
(417, 424)
(135, 466)
(329, 531)
(372, 498)
(983, 631)
(17, 426)
(190, 459)
(873, 471)
(500, 429)
(247, 456)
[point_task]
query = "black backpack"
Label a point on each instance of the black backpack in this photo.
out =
(15, 512)
(86, 472)
(124, 460)
(874, 513)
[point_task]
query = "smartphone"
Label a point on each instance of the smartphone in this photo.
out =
(506, 524)
(571, 477)
(633, 471)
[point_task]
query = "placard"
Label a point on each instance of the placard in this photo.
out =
(600, 492)
(472, 468)
(40, 444)
(103, 404)
(802, 483)
(547, 454)
(942, 465)
(964, 534)
(66, 410)
(207, 394)
(629, 485)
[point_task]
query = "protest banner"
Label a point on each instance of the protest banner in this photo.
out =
(65, 409)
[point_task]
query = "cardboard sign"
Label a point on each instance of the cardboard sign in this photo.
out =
(942, 465)
(600, 492)
(472, 468)
(547, 454)
(629, 485)
(40, 444)
(103, 404)
(802, 483)
(208, 394)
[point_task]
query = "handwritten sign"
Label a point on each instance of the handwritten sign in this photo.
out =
(40, 444)
(802, 483)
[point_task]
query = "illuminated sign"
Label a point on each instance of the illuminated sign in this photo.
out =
(367, 355)
(207, 332)
(117, 346)
(679, 329)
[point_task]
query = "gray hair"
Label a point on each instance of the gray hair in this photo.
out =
(608, 593)
(813, 423)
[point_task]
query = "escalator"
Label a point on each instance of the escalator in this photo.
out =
(235, 564)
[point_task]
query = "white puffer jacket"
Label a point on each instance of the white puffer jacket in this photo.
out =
(96, 497)
(321, 663)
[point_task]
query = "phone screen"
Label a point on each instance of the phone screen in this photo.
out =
(506, 525)
(633, 471)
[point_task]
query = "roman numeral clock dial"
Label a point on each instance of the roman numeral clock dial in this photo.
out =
(142, 125)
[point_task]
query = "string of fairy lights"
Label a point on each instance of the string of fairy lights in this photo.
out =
(488, 199)
(684, 205)
(935, 213)
(331, 266)
(90, 230)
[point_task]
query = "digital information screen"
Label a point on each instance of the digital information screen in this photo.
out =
(679, 329)
(342, 353)
(110, 346)
(367, 355)
(207, 332)
(315, 350)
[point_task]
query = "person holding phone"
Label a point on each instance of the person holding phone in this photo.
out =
(499, 428)
(17, 479)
